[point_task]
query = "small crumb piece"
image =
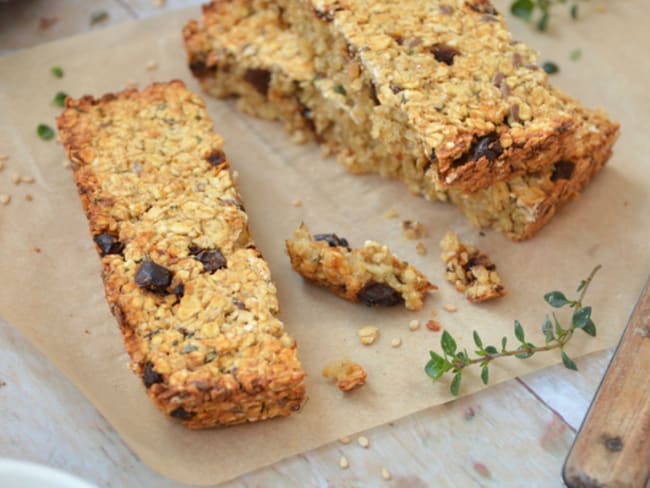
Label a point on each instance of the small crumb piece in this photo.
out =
(391, 214)
(347, 374)
(344, 463)
(363, 441)
(29, 197)
(151, 65)
(434, 313)
(344, 440)
(368, 334)
(433, 325)
(131, 84)
(15, 178)
(386, 474)
(5, 199)
(37, 250)
(66, 164)
(420, 248)
(396, 342)
(450, 308)
(27, 179)
(158, 3)
(296, 203)
(412, 229)
(414, 325)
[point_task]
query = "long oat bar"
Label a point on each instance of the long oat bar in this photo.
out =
(223, 54)
(442, 81)
(192, 295)
(371, 274)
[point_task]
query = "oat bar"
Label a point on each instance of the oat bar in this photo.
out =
(371, 275)
(222, 54)
(470, 270)
(192, 295)
(444, 82)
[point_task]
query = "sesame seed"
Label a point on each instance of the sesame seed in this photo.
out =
(420, 248)
(344, 440)
(450, 308)
(344, 463)
(414, 324)
(15, 178)
(391, 214)
(27, 179)
(386, 474)
(66, 164)
(363, 441)
(297, 203)
(4, 199)
(434, 313)
(151, 65)
(131, 84)
(396, 342)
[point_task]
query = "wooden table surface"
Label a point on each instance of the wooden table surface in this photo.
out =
(513, 434)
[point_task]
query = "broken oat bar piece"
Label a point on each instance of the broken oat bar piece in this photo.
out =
(470, 270)
(370, 274)
(347, 374)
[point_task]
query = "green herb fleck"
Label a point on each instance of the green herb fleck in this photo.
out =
(98, 17)
(59, 99)
(210, 356)
(340, 90)
(57, 71)
(522, 9)
(574, 11)
(575, 54)
(45, 132)
(188, 348)
(557, 337)
(550, 67)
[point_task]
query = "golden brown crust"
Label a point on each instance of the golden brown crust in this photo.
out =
(470, 270)
(193, 297)
(370, 274)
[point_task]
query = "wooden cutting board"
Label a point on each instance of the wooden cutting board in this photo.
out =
(612, 448)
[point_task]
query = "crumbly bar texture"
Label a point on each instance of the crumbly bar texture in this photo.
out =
(192, 295)
(371, 275)
(347, 374)
(470, 270)
(222, 50)
(443, 81)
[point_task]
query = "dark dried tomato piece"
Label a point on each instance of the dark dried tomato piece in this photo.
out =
(488, 146)
(182, 414)
(333, 240)
(199, 68)
(259, 78)
(153, 277)
(373, 94)
(444, 53)
(395, 88)
(563, 170)
(108, 244)
(324, 15)
(375, 293)
(216, 158)
(150, 376)
(179, 290)
(212, 259)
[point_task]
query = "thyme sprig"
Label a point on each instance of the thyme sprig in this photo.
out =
(527, 9)
(454, 361)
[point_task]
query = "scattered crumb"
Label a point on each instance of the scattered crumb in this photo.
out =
(87, 331)
(158, 3)
(66, 164)
(601, 8)
(344, 463)
(347, 374)
(4, 157)
(297, 203)
(368, 334)
(481, 233)
(386, 474)
(469, 413)
(414, 324)
(481, 469)
(45, 23)
(15, 178)
(434, 325)
(396, 342)
(98, 17)
(131, 84)
(5, 199)
(344, 440)
(434, 313)
(420, 248)
(27, 179)
(412, 229)
(29, 197)
(363, 441)
(151, 65)
(2, 165)
(391, 214)
(2, 383)
(450, 308)
(625, 203)
(37, 250)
